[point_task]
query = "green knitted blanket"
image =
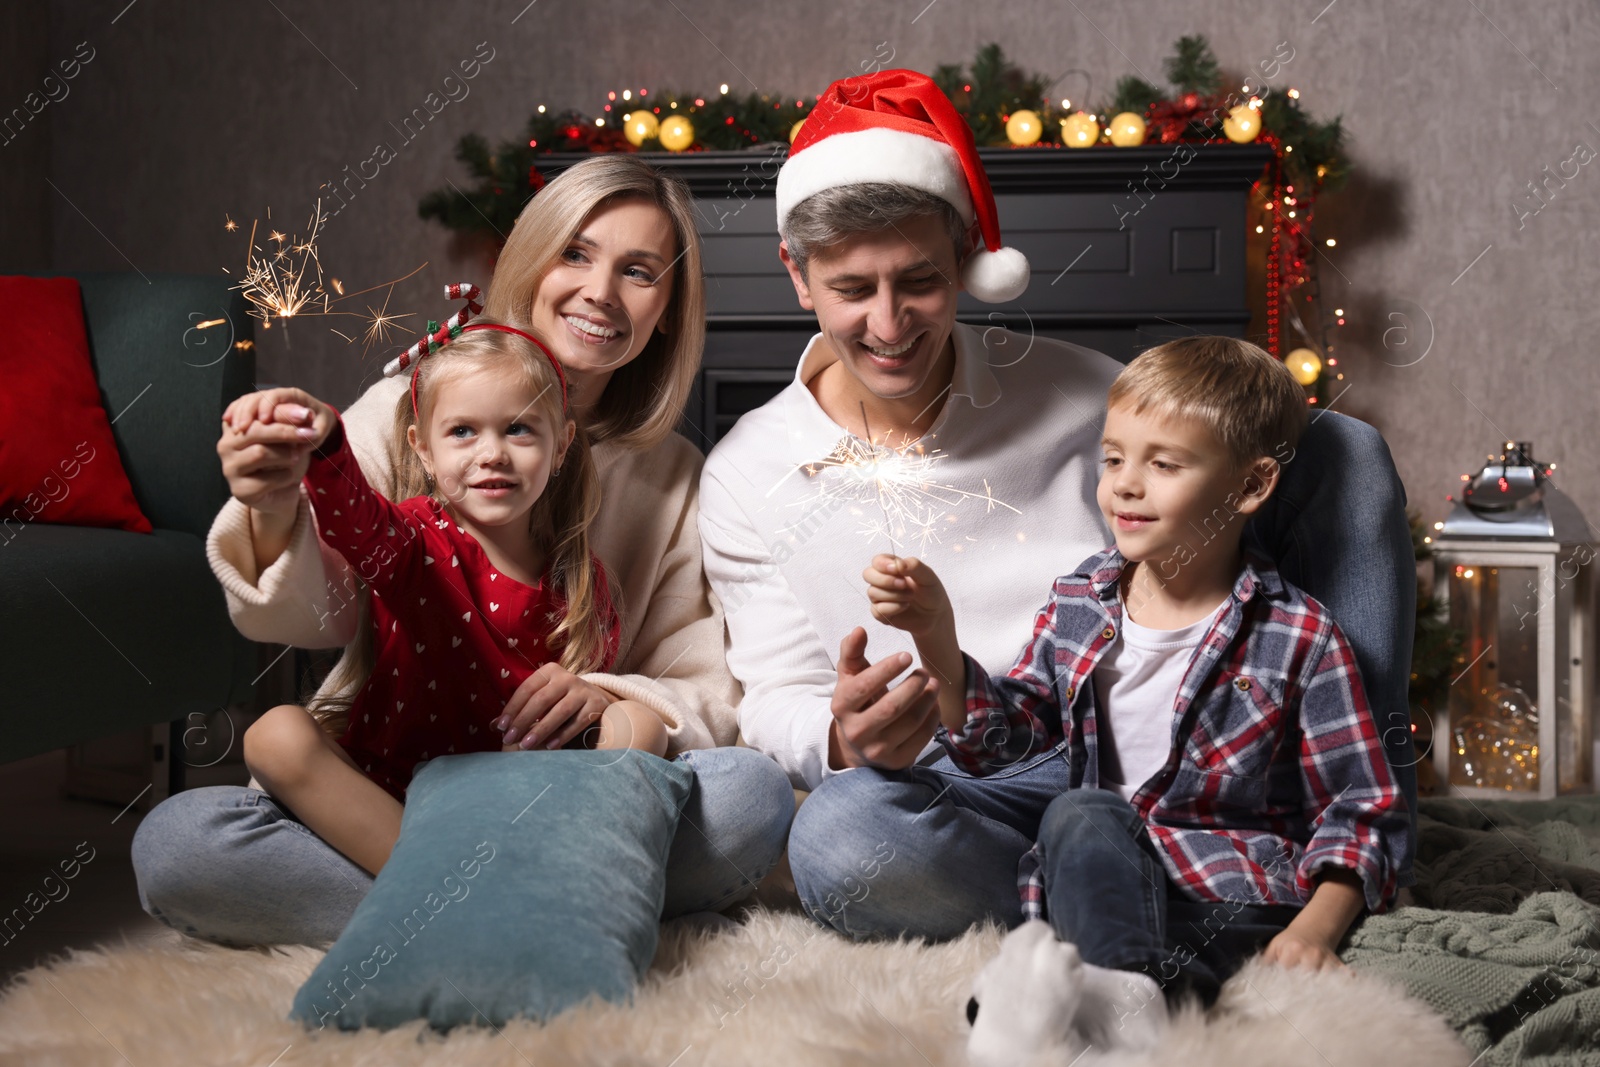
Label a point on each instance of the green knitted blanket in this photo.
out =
(1505, 940)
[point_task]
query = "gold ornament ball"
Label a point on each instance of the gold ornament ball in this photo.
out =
(677, 133)
(794, 131)
(1305, 365)
(639, 126)
(1023, 127)
(1242, 125)
(1079, 130)
(1127, 129)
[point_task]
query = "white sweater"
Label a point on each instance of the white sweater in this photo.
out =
(671, 654)
(1020, 429)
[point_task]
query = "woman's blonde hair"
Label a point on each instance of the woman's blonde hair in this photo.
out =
(644, 400)
(1248, 399)
(558, 523)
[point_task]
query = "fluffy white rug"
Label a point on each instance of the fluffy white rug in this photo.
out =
(774, 990)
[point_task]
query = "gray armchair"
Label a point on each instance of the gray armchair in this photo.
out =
(103, 630)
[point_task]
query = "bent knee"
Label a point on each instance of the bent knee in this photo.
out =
(279, 743)
(765, 788)
(1083, 813)
(848, 822)
(630, 724)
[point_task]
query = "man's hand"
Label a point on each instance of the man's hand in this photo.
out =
(550, 708)
(873, 725)
(906, 594)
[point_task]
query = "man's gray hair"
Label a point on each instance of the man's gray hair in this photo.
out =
(824, 219)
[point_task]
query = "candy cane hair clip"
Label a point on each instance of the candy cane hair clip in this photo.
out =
(458, 324)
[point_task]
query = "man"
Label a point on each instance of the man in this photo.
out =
(978, 450)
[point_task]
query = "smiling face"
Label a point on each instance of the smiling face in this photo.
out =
(598, 304)
(886, 303)
(491, 443)
(1170, 490)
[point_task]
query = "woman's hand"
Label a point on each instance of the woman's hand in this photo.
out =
(906, 594)
(266, 445)
(550, 708)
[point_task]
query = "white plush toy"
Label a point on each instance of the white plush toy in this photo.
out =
(1037, 1002)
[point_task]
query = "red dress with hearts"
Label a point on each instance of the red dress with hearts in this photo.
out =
(453, 638)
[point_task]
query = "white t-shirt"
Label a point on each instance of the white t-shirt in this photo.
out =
(1136, 685)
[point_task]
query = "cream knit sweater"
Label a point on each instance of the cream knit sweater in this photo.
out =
(671, 656)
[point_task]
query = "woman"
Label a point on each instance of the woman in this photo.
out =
(604, 264)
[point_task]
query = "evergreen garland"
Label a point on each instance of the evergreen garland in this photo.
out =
(994, 89)
(1192, 67)
(1133, 94)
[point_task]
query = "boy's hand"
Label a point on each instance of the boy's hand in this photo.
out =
(1292, 949)
(906, 594)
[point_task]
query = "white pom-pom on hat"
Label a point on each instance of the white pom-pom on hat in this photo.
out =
(996, 277)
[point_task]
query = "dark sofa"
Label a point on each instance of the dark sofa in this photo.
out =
(102, 630)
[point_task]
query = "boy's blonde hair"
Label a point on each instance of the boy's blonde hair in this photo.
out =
(1248, 399)
(558, 522)
(644, 400)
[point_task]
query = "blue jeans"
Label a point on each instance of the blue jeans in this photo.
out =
(1107, 892)
(1336, 528)
(923, 852)
(229, 864)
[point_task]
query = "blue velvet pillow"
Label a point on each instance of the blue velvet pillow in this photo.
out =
(522, 883)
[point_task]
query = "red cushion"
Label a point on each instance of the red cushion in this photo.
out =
(58, 460)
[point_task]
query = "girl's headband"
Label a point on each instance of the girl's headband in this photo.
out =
(438, 336)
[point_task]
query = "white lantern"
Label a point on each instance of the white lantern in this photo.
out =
(1514, 564)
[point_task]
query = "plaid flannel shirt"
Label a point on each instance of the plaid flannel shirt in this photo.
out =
(1276, 769)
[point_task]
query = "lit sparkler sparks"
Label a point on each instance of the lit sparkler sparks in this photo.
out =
(286, 282)
(900, 481)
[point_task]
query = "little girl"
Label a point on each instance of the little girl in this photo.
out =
(479, 576)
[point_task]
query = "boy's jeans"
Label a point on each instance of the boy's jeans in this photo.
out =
(1335, 526)
(1107, 892)
(229, 864)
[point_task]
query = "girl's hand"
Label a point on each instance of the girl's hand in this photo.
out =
(906, 594)
(303, 418)
(550, 708)
(1292, 949)
(266, 445)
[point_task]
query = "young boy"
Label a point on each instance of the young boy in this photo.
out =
(1228, 785)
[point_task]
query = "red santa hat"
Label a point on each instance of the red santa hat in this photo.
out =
(897, 126)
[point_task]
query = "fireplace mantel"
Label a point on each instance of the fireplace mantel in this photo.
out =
(1128, 247)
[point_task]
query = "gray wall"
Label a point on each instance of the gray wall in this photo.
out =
(192, 110)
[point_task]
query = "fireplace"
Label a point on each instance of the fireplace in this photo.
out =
(1129, 247)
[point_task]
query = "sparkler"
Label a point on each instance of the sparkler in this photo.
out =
(285, 281)
(902, 480)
